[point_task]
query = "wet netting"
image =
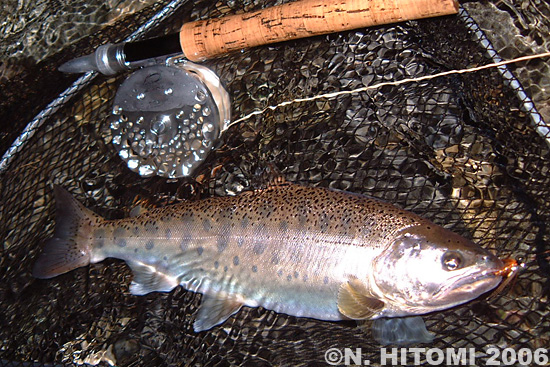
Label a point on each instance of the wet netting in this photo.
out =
(468, 151)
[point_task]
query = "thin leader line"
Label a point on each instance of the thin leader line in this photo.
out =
(379, 85)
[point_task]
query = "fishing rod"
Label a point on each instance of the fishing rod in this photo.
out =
(206, 39)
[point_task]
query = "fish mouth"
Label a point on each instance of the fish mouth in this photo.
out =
(473, 284)
(469, 288)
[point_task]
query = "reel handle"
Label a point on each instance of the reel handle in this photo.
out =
(205, 39)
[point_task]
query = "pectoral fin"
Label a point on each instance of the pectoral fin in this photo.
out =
(355, 302)
(214, 311)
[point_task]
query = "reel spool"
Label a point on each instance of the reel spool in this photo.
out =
(167, 118)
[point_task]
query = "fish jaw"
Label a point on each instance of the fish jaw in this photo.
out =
(469, 288)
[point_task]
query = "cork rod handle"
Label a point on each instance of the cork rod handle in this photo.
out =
(205, 39)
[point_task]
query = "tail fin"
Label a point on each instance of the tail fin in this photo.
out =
(70, 248)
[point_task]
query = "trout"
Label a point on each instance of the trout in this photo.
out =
(301, 251)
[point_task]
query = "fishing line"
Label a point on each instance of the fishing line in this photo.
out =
(392, 83)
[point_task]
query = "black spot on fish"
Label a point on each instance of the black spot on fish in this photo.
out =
(165, 258)
(136, 250)
(149, 245)
(280, 273)
(136, 230)
(222, 244)
(225, 268)
(289, 277)
(200, 249)
(259, 248)
(325, 280)
(206, 225)
(168, 233)
(296, 275)
(254, 268)
(216, 264)
(236, 260)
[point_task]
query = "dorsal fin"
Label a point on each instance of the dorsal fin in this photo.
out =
(274, 176)
(142, 204)
(278, 180)
(266, 177)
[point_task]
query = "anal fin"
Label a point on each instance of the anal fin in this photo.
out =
(148, 278)
(355, 302)
(214, 311)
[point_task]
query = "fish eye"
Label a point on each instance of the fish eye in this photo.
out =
(452, 260)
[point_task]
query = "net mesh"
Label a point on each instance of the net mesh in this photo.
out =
(461, 150)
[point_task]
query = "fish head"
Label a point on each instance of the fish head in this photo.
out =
(428, 268)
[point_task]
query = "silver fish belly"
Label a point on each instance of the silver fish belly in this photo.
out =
(307, 252)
